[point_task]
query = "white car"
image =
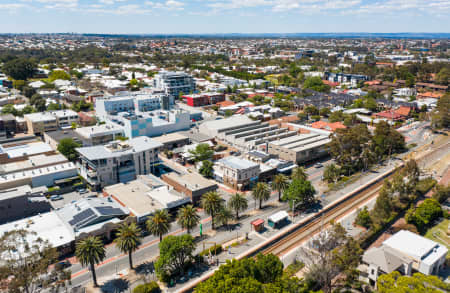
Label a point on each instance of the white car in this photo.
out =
(56, 197)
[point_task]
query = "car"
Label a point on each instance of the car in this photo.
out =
(82, 191)
(56, 197)
(318, 165)
(63, 264)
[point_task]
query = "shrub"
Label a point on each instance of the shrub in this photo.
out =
(293, 268)
(425, 185)
(363, 218)
(151, 287)
(218, 248)
(53, 188)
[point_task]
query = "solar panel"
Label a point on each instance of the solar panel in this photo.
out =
(82, 217)
(109, 211)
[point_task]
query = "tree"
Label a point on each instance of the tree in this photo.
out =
(441, 193)
(324, 112)
(331, 173)
(328, 258)
(40, 105)
(387, 140)
(159, 223)
(26, 263)
(238, 203)
(363, 218)
(336, 116)
(299, 173)
(188, 217)
(175, 253)
(89, 252)
(202, 152)
(67, 147)
(261, 192)
(383, 208)
(280, 184)
(53, 106)
(9, 109)
(58, 74)
(151, 287)
(28, 91)
(262, 274)
(311, 110)
(212, 203)
(19, 68)
(316, 84)
(128, 240)
(301, 192)
(425, 214)
(224, 216)
(302, 116)
(417, 283)
(441, 114)
(206, 169)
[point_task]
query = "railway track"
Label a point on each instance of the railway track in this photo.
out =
(320, 221)
(313, 225)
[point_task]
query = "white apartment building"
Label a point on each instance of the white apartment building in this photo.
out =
(104, 165)
(39, 123)
(173, 83)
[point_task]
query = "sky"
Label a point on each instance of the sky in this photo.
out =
(223, 16)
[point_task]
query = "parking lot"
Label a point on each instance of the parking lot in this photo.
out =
(69, 197)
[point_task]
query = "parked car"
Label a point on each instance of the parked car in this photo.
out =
(63, 264)
(82, 191)
(56, 197)
(318, 165)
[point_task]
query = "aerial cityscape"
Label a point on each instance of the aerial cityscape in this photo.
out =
(225, 146)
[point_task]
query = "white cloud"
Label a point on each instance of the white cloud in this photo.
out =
(168, 5)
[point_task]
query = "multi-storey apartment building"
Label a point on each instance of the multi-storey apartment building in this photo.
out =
(38, 123)
(174, 83)
(117, 161)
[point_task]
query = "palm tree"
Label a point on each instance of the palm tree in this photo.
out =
(224, 215)
(280, 183)
(299, 173)
(159, 223)
(212, 203)
(238, 203)
(128, 239)
(261, 192)
(188, 217)
(90, 251)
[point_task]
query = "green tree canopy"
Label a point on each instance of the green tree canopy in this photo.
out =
(261, 192)
(424, 214)
(19, 68)
(301, 192)
(417, 283)
(238, 203)
(206, 169)
(188, 217)
(202, 152)
(58, 74)
(175, 253)
(89, 252)
(67, 146)
(316, 84)
(159, 223)
(441, 115)
(212, 203)
(128, 240)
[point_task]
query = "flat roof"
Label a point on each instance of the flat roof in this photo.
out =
(39, 117)
(32, 162)
(237, 163)
(171, 137)
(192, 181)
(292, 139)
(99, 130)
(47, 226)
(119, 148)
(234, 121)
(133, 195)
(31, 148)
(38, 172)
(411, 244)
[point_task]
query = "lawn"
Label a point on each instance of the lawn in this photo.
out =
(438, 233)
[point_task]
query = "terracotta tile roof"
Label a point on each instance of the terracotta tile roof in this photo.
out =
(404, 111)
(225, 103)
(328, 126)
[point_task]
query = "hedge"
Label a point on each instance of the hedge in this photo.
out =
(218, 248)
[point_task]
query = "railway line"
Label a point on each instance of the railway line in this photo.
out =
(294, 235)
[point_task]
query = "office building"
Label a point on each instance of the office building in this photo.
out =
(118, 161)
(190, 184)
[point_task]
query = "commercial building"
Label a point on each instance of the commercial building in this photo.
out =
(22, 202)
(172, 140)
(54, 137)
(154, 123)
(300, 148)
(99, 134)
(48, 227)
(8, 126)
(190, 184)
(174, 83)
(405, 252)
(92, 216)
(38, 123)
(203, 99)
(130, 102)
(236, 172)
(118, 161)
(32, 163)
